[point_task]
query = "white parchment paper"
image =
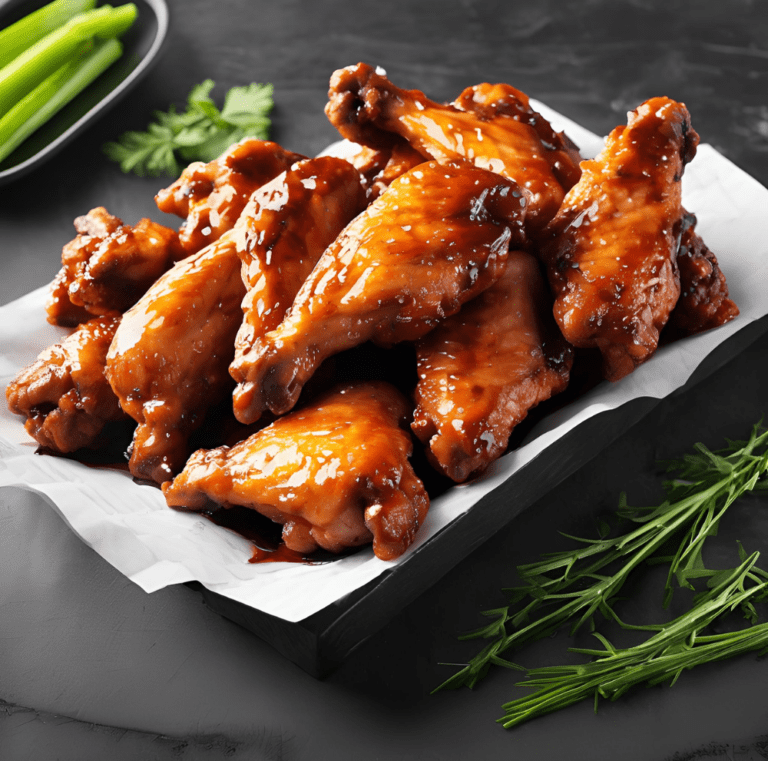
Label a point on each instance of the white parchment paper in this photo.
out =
(132, 528)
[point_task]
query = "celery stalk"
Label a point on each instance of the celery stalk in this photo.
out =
(17, 37)
(47, 55)
(54, 93)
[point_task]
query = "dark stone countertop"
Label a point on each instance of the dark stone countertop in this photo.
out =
(92, 667)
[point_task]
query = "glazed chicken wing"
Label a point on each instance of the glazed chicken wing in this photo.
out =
(481, 370)
(109, 266)
(704, 303)
(169, 358)
(379, 167)
(437, 237)
(612, 247)
(334, 474)
(212, 196)
(63, 394)
(491, 125)
(294, 218)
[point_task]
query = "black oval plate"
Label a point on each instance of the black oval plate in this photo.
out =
(141, 45)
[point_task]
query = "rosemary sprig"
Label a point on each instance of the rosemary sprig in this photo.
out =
(569, 586)
(676, 647)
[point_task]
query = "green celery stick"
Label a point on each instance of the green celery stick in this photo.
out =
(17, 37)
(54, 93)
(38, 62)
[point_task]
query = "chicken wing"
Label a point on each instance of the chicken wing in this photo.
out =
(437, 237)
(493, 126)
(334, 474)
(109, 266)
(64, 395)
(295, 217)
(212, 196)
(481, 370)
(169, 358)
(379, 167)
(612, 247)
(704, 303)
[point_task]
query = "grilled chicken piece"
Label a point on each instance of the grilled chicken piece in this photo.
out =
(64, 395)
(212, 196)
(294, 218)
(109, 266)
(437, 237)
(492, 126)
(704, 303)
(481, 370)
(611, 249)
(334, 474)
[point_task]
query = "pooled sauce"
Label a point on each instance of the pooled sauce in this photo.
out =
(87, 457)
(264, 535)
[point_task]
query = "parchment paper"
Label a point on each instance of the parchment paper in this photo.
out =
(132, 528)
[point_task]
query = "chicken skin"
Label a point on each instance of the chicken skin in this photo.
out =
(295, 217)
(64, 395)
(704, 303)
(481, 370)
(611, 250)
(109, 266)
(379, 167)
(492, 126)
(438, 236)
(169, 358)
(212, 196)
(335, 474)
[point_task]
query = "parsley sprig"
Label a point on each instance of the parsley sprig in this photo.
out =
(571, 586)
(201, 133)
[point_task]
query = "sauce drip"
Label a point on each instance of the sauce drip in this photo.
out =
(264, 535)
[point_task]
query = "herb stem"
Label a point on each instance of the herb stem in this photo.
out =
(571, 583)
(674, 648)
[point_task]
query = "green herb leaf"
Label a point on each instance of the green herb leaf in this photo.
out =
(201, 133)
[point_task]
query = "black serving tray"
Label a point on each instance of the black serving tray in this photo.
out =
(321, 642)
(142, 44)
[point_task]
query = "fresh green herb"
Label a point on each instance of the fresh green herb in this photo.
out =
(201, 133)
(569, 586)
(16, 38)
(38, 62)
(677, 646)
(54, 93)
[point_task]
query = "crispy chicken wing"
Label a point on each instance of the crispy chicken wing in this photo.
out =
(295, 217)
(212, 196)
(437, 237)
(335, 474)
(109, 266)
(481, 370)
(493, 126)
(704, 303)
(611, 249)
(63, 394)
